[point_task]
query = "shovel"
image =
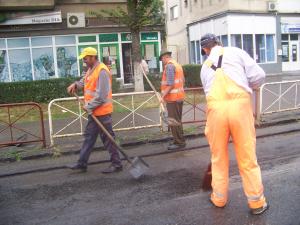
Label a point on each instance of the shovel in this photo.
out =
(138, 167)
(168, 120)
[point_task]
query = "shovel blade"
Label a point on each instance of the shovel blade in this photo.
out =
(138, 167)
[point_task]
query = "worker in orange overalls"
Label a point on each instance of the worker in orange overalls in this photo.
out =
(229, 75)
(172, 93)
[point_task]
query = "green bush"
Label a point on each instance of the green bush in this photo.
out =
(192, 75)
(155, 79)
(41, 91)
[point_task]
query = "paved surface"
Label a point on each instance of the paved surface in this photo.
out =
(169, 194)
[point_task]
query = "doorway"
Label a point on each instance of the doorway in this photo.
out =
(127, 63)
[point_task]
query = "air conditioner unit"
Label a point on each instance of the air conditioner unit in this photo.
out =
(76, 20)
(272, 6)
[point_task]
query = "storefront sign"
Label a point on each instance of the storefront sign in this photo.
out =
(108, 37)
(26, 18)
(126, 37)
(151, 36)
(290, 28)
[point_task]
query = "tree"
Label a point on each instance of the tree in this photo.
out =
(138, 14)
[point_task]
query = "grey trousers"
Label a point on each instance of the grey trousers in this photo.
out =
(90, 136)
(175, 111)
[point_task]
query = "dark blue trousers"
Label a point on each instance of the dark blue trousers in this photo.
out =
(90, 136)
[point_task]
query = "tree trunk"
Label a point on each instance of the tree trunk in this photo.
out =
(136, 56)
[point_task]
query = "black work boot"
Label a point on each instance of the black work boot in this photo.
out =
(112, 169)
(260, 210)
(78, 167)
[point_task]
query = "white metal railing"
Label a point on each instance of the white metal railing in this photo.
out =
(131, 112)
(279, 97)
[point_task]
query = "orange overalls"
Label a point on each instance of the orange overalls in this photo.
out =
(229, 113)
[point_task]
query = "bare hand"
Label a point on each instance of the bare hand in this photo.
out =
(72, 88)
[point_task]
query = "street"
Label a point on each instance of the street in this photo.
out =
(170, 193)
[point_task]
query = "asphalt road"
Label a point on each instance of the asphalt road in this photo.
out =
(170, 193)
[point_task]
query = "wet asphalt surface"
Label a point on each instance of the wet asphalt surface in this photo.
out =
(169, 194)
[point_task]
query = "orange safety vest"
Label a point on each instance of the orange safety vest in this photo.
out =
(177, 92)
(90, 85)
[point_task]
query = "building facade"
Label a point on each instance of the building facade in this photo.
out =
(268, 30)
(45, 43)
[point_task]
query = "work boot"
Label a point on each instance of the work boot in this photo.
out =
(260, 210)
(112, 169)
(173, 146)
(78, 167)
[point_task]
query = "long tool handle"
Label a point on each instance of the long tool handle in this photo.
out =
(153, 88)
(107, 133)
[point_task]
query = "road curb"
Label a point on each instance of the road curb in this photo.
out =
(147, 141)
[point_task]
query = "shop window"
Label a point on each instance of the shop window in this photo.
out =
(150, 57)
(110, 56)
(193, 52)
(43, 63)
(20, 64)
(41, 41)
(260, 48)
(294, 37)
(18, 42)
(65, 40)
(224, 40)
(285, 37)
(236, 40)
(248, 44)
(270, 47)
(198, 51)
(174, 12)
(4, 76)
(66, 61)
(2, 43)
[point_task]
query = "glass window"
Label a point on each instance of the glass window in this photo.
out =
(43, 63)
(193, 52)
(198, 50)
(65, 40)
(294, 37)
(270, 48)
(285, 51)
(248, 44)
(236, 40)
(260, 48)
(2, 43)
(18, 42)
(4, 76)
(66, 61)
(41, 41)
(224, 40)
(20, 64)
(174, 12)
(285, 37)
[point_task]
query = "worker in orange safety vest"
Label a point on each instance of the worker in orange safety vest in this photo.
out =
(97, 87)
(172, 91)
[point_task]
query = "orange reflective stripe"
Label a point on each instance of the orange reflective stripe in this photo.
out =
(177, 91)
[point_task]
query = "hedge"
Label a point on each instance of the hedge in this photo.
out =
(191, 74)
(41, 91)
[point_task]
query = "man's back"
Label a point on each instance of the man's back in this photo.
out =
(237, 65)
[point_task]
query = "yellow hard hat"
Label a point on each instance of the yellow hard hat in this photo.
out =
(87, 51)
